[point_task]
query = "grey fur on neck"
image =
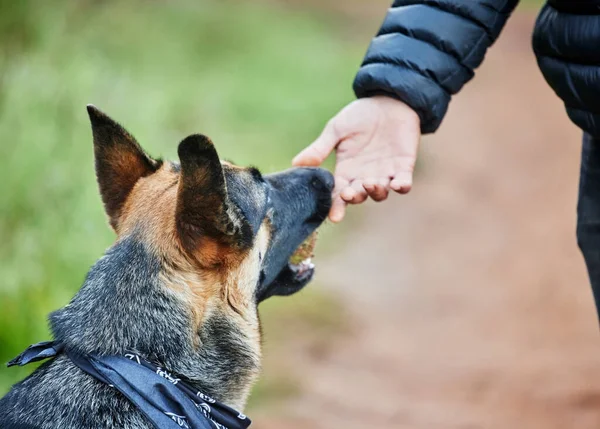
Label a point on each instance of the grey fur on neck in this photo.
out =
(123, 306)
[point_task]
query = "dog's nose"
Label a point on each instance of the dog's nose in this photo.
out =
(322, 180)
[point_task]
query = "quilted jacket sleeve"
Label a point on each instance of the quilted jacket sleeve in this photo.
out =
(566, 43)
(426, 50)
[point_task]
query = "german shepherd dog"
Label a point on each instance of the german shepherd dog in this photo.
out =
(200, 244)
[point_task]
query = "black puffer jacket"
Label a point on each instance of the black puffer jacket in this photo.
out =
(427, 50)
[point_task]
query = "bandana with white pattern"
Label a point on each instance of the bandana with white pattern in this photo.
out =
(167, 401)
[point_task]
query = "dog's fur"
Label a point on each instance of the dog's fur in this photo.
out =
(199, 244)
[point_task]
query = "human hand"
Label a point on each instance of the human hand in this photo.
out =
(376, 141)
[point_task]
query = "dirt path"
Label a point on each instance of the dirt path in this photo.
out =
(470, 300)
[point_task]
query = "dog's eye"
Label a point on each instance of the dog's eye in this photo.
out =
(261, 278)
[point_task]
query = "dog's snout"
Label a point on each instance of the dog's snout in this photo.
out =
(315, 178)
(322, 180)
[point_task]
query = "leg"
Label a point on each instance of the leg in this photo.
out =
(588, 211)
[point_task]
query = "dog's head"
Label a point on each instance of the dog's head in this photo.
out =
(211, 215)
(199, 244)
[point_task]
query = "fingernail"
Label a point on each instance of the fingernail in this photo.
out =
(347, 193)
(336, 218)
(396, 186)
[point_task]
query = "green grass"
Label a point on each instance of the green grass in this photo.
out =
(261, 81)
(532, 2)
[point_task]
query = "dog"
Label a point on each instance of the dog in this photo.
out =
(200, 243)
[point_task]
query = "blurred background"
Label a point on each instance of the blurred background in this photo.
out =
(462, 305)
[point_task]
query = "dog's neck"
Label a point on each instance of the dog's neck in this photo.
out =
(123, 307)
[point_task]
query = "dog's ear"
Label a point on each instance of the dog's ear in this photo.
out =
(120, 162)
(205, 213)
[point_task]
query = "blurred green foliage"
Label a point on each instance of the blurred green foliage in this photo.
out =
(259, 79)
(532, 4)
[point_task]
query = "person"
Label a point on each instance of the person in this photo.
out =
(424, 53)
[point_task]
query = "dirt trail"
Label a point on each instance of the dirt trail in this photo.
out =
(469, 298)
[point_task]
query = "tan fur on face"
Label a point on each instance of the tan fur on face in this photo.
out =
(238, 287)
(240, 282)
(213, 279)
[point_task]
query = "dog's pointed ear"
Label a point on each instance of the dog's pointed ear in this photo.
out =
(120, 162)
(204, 209)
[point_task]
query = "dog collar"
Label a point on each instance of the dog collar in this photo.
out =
(167, 401)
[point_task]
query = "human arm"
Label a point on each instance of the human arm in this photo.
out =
(425, 51)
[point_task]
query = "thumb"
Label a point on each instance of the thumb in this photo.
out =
(320, 149)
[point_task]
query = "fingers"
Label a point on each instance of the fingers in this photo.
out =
(315, 154)
(378, 190)
(358, 191)
(338, 210)
(355, 193)
(338, 205)
(402, 182)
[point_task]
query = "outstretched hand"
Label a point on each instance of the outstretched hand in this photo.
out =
(376, 141)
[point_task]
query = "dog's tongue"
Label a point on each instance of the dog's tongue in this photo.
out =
(305, 250)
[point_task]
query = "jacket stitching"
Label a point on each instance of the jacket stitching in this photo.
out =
(398, 29)
(408, 33)
(394, 65)
(409, 65)
(453, 11)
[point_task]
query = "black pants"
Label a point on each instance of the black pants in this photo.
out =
(588, 211)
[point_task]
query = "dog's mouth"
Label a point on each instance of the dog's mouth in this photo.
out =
(290, 280)
(298, 269)
(300, 263)
(296, 274)
(301, 273)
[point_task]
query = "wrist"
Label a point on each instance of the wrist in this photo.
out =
(397, 110)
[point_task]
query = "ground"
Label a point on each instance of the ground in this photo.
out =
(469, 301)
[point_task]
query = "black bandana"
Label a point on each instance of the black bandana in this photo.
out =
(165, 400)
